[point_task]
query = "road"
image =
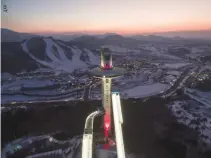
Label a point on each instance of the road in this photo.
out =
(179, 83)
(60, 98)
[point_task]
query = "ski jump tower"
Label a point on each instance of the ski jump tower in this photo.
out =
(106, 71)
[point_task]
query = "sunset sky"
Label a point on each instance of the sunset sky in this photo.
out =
(100, 16)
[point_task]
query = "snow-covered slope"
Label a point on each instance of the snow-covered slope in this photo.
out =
(92, 58)
(59, 56)
(145, 90)
(194, 115)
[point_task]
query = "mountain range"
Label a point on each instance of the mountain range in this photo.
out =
(9, 35)
(26, 52)
(45, 52)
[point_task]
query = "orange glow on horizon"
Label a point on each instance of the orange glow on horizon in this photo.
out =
(120, 31)
(142, 29)
(146, 28)
(98, 16)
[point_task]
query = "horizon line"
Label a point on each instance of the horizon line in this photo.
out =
(116, 32)
(107, 32)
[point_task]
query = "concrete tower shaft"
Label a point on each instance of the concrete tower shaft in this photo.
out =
(106, 101)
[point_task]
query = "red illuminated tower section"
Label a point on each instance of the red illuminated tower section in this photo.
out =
(106, 100)
(106, 72)
(106, 60)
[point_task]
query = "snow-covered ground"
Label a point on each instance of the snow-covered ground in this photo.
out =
(196, 50)
(168, 56)
(145, 90)
(169, 78)
(16, 98)
(71, 152)
(194, 55)
(176, 65)
(59, 60)
(5, 76)
(27, 83)
(160, 52)
(23, 98)
(93, 59)
(208, 66)
(194, 115)
(176, 73)
(95, 94)
(121, 50)
(199, 95)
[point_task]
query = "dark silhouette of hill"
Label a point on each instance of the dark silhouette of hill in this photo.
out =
(14, 59)
(204, 85)
(13, 36)
(180, 52)
(206, 58)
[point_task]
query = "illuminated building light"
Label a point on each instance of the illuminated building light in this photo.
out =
(50, 139)
(106, 146)
(107, 125)
(106, 132)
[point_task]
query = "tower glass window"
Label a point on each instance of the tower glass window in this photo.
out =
(106, 80)
(107, 57)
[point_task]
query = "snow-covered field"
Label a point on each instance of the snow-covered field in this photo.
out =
(176, 73)
(26, 83)
(169, 78)
(208, 66)
(199, 95)
(16, 98)
(176, 65)
(160, 52)
(23, 98)
(194, 115)
(145, 90)
(95, 95)
(121, 50)
(196, 50)
(71, 152)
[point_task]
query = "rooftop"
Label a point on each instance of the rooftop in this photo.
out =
(115, 72)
